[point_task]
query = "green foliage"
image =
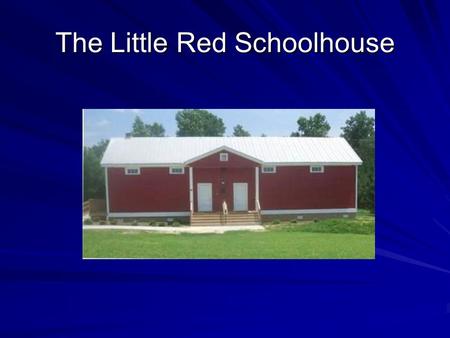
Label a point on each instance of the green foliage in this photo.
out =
(314, 126)
(176, 224)
(93, 173)
(155, 130)
(135, 222)
(366, 174)
(197, 122)
(140, 129)
(359, 131)
(113, 221)
(88, 221)
(276, 221)
(363, 223)
(102, 222)
(358, 128)
(238, 130)
(152, 223)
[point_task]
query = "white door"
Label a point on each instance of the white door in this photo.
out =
(204, 196)
(240, 197)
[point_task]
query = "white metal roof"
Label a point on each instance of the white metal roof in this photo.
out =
(267, 150)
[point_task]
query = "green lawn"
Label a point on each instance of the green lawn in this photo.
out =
(339, 238)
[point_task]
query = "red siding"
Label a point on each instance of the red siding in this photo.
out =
(297, 188)
(225, 191)
(154, 190)
(213, 161)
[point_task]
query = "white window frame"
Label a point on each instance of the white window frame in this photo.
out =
(263, 169)
(132, 168)
(223, 157)
(322, 169)
(171, 172)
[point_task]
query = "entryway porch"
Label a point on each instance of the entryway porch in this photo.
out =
(252, 217)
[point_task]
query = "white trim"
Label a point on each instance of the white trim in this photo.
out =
(132, 168)
(307, 211)
(256, 183)
(278, 164)
(149, 214)
(107, 193)
(322, 169)
(176, 167)
(269, 172)
(302, 164)
(142, 165)
(191, 186)
(231, 150)
(356, 186)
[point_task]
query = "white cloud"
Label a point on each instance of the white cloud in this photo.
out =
(103, 123)
(129, 111)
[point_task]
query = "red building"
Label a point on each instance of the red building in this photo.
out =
(279, 177)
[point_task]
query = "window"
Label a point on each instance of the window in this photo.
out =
(132, 171)
(223, 157)
(269, 170)
(316, 169)
(176, 170)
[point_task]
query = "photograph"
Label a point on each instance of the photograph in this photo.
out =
(228, 183)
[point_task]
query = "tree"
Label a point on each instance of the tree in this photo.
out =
(359, 131)
(238, 130)
(155, 130)
(366, 174)
(140, 129)
(197, 122)
(358, 128)
(93, 173)
(314, 126)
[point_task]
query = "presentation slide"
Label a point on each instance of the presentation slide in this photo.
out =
(227, 168)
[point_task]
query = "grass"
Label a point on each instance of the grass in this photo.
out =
(364, 224)
(331, 238)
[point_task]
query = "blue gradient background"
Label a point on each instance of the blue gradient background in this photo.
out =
(47, 290)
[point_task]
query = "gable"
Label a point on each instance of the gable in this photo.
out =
(213, 160)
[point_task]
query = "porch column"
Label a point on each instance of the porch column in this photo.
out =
(106, 193)
(356, 187)
(191, 189)
(256, 185)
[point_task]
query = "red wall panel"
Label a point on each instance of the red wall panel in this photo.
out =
(154, 190)
(297, 188)
(225, 191)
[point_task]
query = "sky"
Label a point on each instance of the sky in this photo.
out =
(106, 123)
